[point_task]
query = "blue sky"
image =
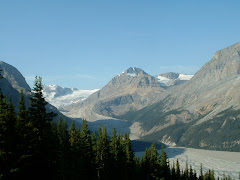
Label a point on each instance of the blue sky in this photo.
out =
(84, 44)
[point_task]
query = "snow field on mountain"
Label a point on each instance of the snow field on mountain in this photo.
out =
(73, 96)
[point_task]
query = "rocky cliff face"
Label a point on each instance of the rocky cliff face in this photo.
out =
(214, 86)
(12, 83)
(14, 77)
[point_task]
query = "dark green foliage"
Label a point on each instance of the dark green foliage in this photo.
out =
(220, 134)
(8, 141)
(33, 147)
(63, 149)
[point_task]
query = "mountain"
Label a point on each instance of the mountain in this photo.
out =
(201, 113)
(61, 96)
(131, 90)
(171, 78)
(13, 83)
(14, 77)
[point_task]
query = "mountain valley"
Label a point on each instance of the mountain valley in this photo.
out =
(200, 111)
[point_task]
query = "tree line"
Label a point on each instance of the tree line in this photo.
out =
(32, 146)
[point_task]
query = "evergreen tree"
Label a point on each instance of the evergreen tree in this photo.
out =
(42, 158)
(87, 151)
(209, 175)
(191, 174)
(103, 155)
(114, 151)
(155, 162)
(173, 172)
(178, 171)
(24, 136)
(94, 145)
(147, 166)
(21, 126)
(114, 146)
(164, 165)
(63, 149)
(76, 158)
(186, 171)
(129, 154)
(8, 139)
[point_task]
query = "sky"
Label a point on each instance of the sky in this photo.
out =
(84, 44)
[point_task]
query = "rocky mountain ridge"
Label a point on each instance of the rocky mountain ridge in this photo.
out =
(13, 83)
(200, 111)
(133, 89)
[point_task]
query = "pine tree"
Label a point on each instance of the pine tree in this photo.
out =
(173, 172)
(164, 164)
(21, 125)
(178, 172)
(103, 155)
(129, 154)
(114, 146)
(87, 151)
(3, 135)
(94, 145)
(76, 158)
(155, 161)
(121, 155)
(128, 150)
(23, 128)
(8, 140)
(41, 133)
(86, 143)
(147, 165)
(191, 174)
(63, 149)
(114, 151)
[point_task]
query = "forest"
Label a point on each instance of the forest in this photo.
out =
(33, 146)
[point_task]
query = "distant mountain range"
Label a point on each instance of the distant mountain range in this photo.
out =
(13, 83)
(200, 111)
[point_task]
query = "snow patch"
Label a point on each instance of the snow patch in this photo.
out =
(71, 96)
(166, 81)
(132, 74)
(185, 77)
(163, 80)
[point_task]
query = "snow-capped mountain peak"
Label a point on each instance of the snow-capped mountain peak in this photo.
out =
(133, 71)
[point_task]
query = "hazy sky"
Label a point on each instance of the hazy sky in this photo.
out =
(84, 44)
